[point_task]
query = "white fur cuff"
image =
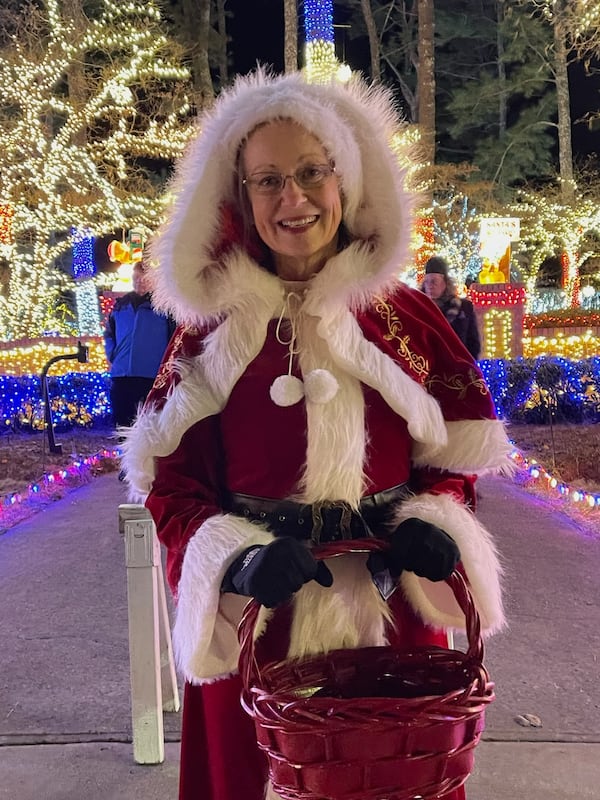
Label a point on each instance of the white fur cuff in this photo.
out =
(434, 602)
(205, 631)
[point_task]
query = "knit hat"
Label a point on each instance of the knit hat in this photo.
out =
(436, 264)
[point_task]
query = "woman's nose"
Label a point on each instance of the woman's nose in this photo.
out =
(291, 192)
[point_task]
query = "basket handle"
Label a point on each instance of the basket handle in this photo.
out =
(248, 665)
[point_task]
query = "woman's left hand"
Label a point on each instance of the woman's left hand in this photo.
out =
(419, 547)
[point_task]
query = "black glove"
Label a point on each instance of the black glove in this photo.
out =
(419, 547)
(272, 573)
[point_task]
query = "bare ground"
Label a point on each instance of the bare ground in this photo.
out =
(25, 460)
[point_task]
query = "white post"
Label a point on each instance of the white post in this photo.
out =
(150, 652)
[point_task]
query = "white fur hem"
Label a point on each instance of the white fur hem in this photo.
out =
(205, 632)
(434, 602)
(474, 446)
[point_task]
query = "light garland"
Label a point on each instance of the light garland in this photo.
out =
(576, 346)
(7, 213)
(509, 296)
(497, 333)
(75, 471)
(580, 497)
(424, 244)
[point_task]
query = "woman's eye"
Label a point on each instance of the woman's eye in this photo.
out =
(310, 173)
(272, 179)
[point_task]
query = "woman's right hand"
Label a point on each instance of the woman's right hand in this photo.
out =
(272, 573)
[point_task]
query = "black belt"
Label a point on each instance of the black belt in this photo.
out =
(327, 521)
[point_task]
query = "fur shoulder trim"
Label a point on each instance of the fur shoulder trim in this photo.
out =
(203, 390)
(473, 446)
(363, 359)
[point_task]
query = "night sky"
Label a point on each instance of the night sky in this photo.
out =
(256, 30)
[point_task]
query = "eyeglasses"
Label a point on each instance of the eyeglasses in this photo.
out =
(308, 176)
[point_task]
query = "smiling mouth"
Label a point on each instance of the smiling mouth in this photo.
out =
(302, 222)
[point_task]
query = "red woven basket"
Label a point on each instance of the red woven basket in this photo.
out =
(372, 723)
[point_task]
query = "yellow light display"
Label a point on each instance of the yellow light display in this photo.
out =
(29, 358)
(320, 60)
(576, 346)
(497, 330)
(550, 227)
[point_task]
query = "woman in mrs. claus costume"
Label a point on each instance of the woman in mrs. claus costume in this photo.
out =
(302, 372)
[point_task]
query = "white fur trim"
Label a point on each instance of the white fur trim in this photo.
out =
(349, 614)
(354, 122)
(434, 602)
(320, 386)
(336, 438)
(205, 631)
(369, 364)
(474, 446)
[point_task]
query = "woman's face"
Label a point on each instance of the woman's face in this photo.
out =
(434, 285)
(299, 226)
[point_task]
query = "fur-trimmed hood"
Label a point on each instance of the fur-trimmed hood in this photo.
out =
(203, 229)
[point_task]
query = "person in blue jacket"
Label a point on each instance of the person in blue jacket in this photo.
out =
(135, 339)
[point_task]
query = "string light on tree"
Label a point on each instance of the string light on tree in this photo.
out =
(550, 227)
(7, 213)
(58, 176)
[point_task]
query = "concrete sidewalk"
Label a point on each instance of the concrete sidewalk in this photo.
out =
(64, 677)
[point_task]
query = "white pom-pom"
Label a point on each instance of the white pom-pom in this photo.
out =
(320, 386)
(286, 390)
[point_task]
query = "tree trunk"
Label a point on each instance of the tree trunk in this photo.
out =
(290, 45)
(373, 39)
(502, 93)
(222, 29)
(565, 150)
(73, 12)
(196, 14)
(426, 79)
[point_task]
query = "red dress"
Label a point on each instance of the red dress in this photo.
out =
(258, 452)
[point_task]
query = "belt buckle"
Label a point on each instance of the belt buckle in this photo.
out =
(342, 526)
(317, 522)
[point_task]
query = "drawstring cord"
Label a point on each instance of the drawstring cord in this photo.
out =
(286, 312)
(318, 386)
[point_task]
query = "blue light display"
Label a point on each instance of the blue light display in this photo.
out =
(83, 254)
(318, 21)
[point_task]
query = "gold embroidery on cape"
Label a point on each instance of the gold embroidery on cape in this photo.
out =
(459, 383)
(167, 368)
(418, 363)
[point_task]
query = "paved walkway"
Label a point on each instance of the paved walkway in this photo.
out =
(64, 681)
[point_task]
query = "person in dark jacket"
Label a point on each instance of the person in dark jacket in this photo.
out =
(459, 312)
(135, 339)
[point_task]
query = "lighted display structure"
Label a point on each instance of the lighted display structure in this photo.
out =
(499, 309)
(499, 304)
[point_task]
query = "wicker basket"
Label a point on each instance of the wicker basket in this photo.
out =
(372, 723)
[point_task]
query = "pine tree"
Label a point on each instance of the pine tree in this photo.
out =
(92, 109)
(496, 103)
(575, 26)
